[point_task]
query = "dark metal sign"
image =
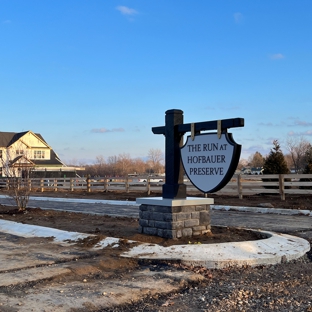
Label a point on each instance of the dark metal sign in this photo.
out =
(210, 160)
(174, 129)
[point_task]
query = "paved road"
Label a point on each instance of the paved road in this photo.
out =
(269, 222)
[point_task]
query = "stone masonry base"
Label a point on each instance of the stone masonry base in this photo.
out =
(174, 221)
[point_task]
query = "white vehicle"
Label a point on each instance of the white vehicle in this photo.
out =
(151, 180)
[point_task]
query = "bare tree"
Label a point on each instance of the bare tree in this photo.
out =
(17, 167)
(155, 157)
(124, 164)
(100, 166)
(297, 148)
(242, 163)
(112, 165)
(139, 166)
(256, 160)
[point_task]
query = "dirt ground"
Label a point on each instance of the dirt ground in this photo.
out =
(282, 287)
(127, 228)
(103, 226)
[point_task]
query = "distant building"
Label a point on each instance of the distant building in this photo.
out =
(252, 170)
(33, 151)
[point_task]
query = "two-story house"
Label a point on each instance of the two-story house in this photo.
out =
(29, 150)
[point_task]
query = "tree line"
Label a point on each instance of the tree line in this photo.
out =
(123, 164)
(297, 160)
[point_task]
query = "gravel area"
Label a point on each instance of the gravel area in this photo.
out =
(283, 287)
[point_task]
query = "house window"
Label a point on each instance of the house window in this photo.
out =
(38, 154)
(19, 152)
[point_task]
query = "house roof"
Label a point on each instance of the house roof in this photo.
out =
(8, 138)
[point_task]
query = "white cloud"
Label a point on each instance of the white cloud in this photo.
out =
(303, 123)
(126, 11)
(266, 124)
(300, 134)
(277, 56)
(104, 130)
(238, 17)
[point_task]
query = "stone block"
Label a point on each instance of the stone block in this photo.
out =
(204, 218)
(178, 233)
(169, 217)
(157, 216)
(187, 232)
(195, 215)
(183, 216)
(200, 207)
(188, 208)
(160, 232)
(150, 231)
(146, 215)
(143, 222)
(169, 234)
(151, 223)
(163, 225)
(176, 209)
(162, 209)
(203, 208)
(143, 207)
(191, 223)
(177, 225)
(199, 228)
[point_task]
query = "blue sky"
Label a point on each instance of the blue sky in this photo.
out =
(92, 77)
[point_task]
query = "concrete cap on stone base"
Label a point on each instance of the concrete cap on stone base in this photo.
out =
(189, 201)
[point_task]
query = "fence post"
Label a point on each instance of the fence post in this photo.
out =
(55, 185)
(29, 184)
(71, 185)
(127, 184)
(105, 185)
(281, 186)
(7, 184)
(88, 184)
(41, 185)
(239, 187)
(148, 186)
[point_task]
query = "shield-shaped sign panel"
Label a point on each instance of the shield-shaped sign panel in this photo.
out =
(209, 161)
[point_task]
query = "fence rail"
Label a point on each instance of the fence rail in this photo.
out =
(239, 185)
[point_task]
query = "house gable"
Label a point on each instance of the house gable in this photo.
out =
(33, 140)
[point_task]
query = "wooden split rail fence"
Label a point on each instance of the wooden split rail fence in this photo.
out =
(239, 185)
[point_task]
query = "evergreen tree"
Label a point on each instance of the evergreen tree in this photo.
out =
(308, 167)
(275, 163)
(308, 159)
(256, 160)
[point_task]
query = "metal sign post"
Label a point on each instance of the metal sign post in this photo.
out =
(174, 129)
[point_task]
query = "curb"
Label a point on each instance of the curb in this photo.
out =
(282, 211)
(274, 248)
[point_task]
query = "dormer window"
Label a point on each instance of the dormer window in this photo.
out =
(38, 154)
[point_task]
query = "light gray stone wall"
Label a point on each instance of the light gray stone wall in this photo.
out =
(174, 222)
